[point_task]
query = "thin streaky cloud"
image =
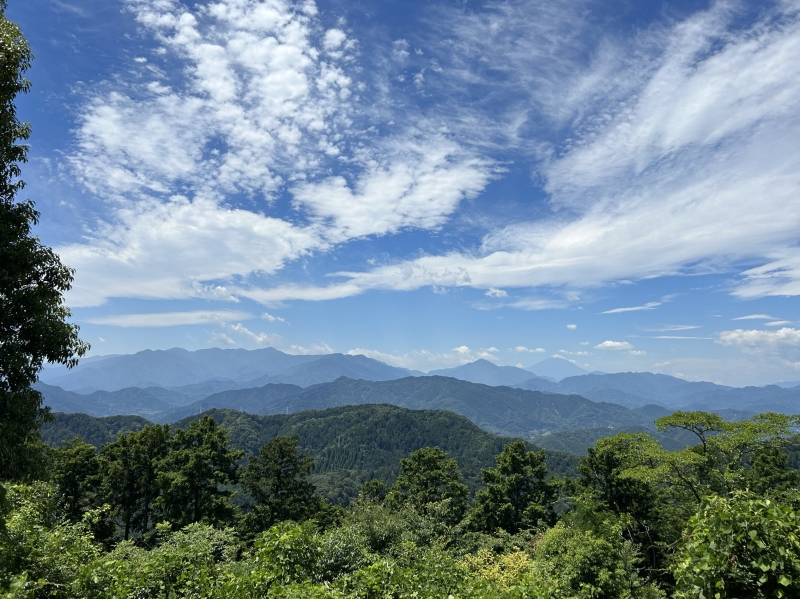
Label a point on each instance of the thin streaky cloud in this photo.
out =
(171, 319)
(678, 337)
(675, 327)
(647, 306)
(755, 317)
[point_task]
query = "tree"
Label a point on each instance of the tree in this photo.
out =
(128, 468)
(517, 494)
(276, 480)
(429, 477)
(74, 470)
(33, 317)
(196, 474)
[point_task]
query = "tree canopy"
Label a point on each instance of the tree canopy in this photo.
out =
(33, 316)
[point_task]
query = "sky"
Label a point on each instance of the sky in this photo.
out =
(426, 182)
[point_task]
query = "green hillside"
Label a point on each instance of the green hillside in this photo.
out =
(350, 444)
(95, 431)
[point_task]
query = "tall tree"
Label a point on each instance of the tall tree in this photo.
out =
(33, 317)
(517, 494)
(277, 481)
(429, 477)
(74, 470)
(196, 475)
(129, 472)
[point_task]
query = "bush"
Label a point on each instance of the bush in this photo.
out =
(571, 563)
(40, 555)
(744, 546)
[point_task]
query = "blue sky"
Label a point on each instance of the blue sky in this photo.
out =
(427, 183)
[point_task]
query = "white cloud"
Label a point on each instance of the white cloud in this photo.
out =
(333, 39)
(494, 292)
(647, 306)
(266, 101)
(784, 342)
(662, 167)
(675, 327)
(179, 249)
(572, 327)
(400, 49)
(269, 317)
(755, 317)
(418, 184)
(637, 352)
(780, 276)
(614, 345)
(425, 360)
(665, 147)
(171, 319)
(777, 323)
(219, 338)
(315, 349)
(264, 339)
(523, 349)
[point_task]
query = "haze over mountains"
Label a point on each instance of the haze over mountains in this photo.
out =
(165, 386)
(236, 367)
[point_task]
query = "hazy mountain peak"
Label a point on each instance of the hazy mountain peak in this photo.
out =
(556, 367)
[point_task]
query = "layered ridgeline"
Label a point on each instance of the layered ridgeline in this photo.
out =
(199, 373)
(501, 410)
(350, 445)
(169, 379)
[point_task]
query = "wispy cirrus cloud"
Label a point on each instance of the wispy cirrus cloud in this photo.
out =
(647, 306)
(755, 317)
(657, 176)
(652, 146)
(171, 319)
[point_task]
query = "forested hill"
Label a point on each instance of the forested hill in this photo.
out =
(95, 431)
(350, 444)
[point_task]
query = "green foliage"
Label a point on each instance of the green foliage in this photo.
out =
(95, 431)
(196, 474)
(33, 317)
(41, 555)
(129, 469)
(187, 563)
(517, 494)
(75, 470)
(351, 445)
(626, 526)
(276, 481)
(582, 564)
(742, 546)
(430, 481)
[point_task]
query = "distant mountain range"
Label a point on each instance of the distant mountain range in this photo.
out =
(207, 369)
(166, 386)
(502, 410)
(635, 389)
